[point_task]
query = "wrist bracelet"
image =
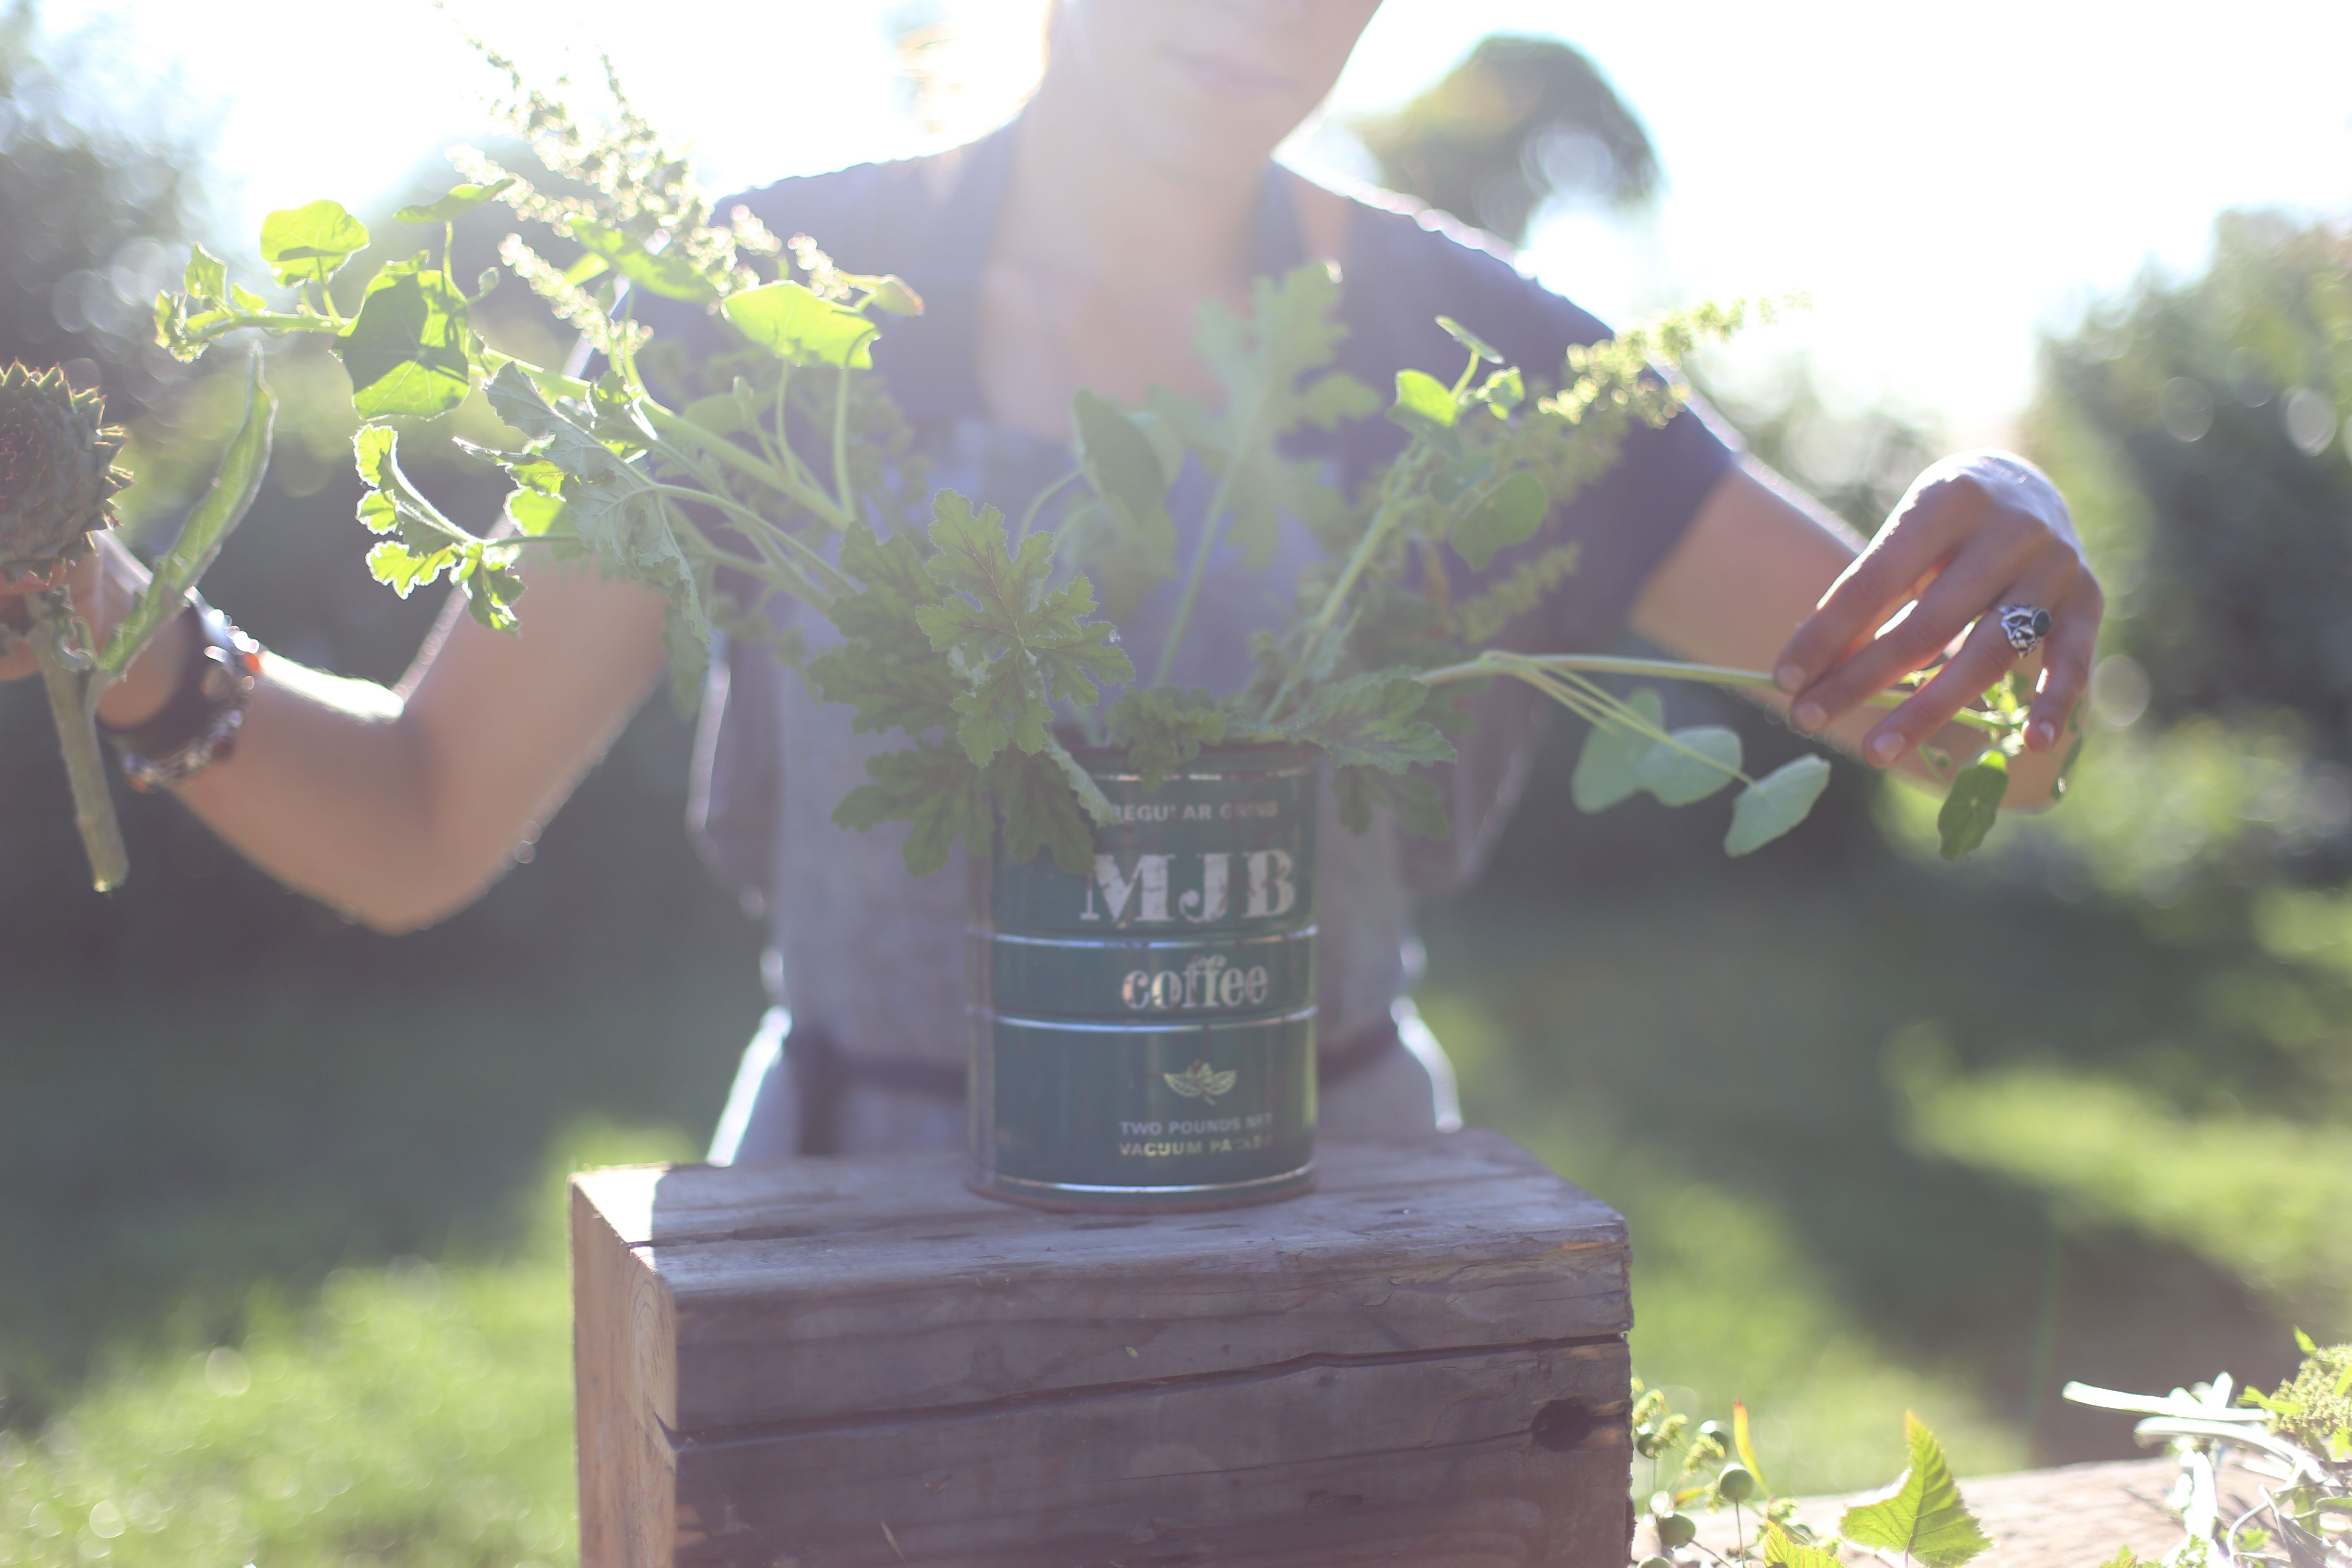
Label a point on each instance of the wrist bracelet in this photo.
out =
(197, 724)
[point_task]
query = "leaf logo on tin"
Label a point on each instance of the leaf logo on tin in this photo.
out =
(1201, 1082)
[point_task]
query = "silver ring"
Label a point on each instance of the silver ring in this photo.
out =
(2025, 627)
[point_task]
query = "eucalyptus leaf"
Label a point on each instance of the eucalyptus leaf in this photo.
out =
(311, 243)
(459, 201)
(1973, 805)
(1609, 768)
(1690, 764)
(1775, 804)
(214, 517)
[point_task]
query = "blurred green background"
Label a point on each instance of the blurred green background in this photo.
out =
(281, 1277)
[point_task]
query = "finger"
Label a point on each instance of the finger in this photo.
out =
(2065, 665)
(1967, 587)
(1986, 658)
(1868, 590)
(1982, 660)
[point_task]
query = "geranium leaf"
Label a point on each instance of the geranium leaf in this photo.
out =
(936, 790)
(1162, 729)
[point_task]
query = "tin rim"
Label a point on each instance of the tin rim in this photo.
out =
(1081, 1199)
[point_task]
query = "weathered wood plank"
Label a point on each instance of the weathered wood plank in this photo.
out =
(1422, 1362)
(906, 1292)
(624, 1344)
(1515, 1458)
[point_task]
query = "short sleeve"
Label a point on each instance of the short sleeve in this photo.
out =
(1406, 269)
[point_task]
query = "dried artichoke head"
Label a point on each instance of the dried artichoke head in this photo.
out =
(58, 477)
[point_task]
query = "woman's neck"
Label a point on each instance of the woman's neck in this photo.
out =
(1089, 211)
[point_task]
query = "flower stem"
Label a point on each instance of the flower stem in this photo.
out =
(85, 772)
(1670, 670)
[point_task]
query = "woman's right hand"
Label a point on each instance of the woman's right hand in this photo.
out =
(104, 585)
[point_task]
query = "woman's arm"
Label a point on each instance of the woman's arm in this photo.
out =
(1767, 579)
(401, 807)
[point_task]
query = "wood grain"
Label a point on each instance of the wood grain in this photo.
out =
(906, 1291)
(1447, 1459)
(1421, 1361)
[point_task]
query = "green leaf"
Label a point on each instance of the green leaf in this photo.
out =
(2304, 1343)
(1471, 341)
(311, 243)
(216, 517)
(801, 327)
(377, 511)
(1417, 803)
(206, 277)
(936, 790)
(1507, 514)
(1163, 729)
(371, 453)
(1973, 804)
(533, 513)
(1775, 804)
(1690, 764)
(491, 585)
(1610, 768)
(1120, 459)
(403, 570)
(1042, 809)
(667, 274)
(458, 201)
(405, 351)
(1376, 719)
(1013, 640)
(1785, 1550)
(1922, 1514)
(1422, 403)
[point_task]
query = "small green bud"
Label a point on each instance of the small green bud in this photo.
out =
(1675, 1529)
(891, 294)
(1658, 1563)
(1736, 1484)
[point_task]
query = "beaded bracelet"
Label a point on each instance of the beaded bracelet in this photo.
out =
(198, 723)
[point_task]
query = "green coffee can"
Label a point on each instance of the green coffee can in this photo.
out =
(1143, 1037)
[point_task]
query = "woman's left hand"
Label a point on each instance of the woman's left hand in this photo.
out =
(1976, 532)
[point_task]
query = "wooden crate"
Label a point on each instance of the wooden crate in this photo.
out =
(823, 1362)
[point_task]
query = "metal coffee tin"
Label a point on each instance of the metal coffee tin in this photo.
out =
(1143, 1039)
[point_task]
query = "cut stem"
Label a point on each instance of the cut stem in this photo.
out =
(85, 770)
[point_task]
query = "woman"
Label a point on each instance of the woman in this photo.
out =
(1071, 250)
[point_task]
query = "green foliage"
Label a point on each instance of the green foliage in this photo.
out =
(1163, 730)
(309, 244)
(1922, 1515)
(1972, 806)
(1608, 769)
(1521, 120)
(216, 517)
(978, 635)
(1775, 804)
